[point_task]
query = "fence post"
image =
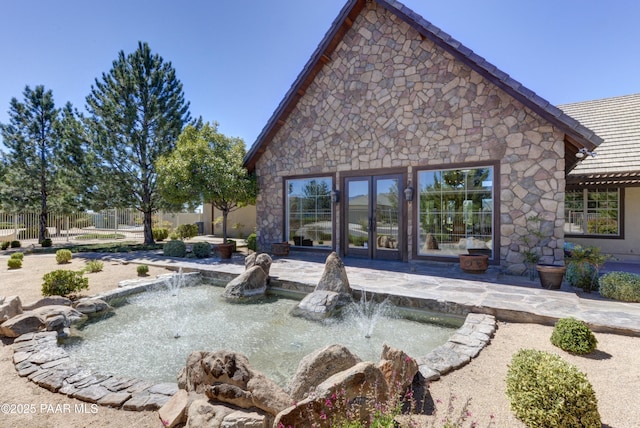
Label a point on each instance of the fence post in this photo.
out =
(66, 226)
(15, 225)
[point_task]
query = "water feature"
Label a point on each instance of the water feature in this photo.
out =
(139, 339)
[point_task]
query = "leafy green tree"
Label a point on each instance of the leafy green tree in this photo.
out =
(206, 166)
(43, 149)
(137, 112)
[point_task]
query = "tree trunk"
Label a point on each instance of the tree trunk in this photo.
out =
(43, 223)
(225, 213)
(148, 230)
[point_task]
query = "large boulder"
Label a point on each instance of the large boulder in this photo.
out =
(9, 307)
(334, 278)
(317, 367)
(263, 260)
(251, 283)
(355, 390)
(227, 377)
(47, 318)
(398, 369)
(48, 301)
(91, 305)
(26, 322)
(201, 414)
(320, 304)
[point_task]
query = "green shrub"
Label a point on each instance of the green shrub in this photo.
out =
(17, 255)
(582, 275)
(5, 245)
(142, 270)
(160, 233)
(623, 286)
(14, 263)
(252, 242)
(94, 266)
(63, 283)
(186, 231)
(47, 242)
(175, 248)
(202, 250)
(63, 256)
(546, 391)
(15, 244)
(174, 236)
(572, 335)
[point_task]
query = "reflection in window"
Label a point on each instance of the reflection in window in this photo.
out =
(308, 216)
(592, 212)
(455, 212)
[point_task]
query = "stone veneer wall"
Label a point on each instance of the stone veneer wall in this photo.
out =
(389, 99)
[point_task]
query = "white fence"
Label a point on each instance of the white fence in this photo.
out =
(111, 224)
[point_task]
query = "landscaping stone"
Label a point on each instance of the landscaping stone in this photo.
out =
(114, 399)
(91, 306)
(249, 284)
(48, 301)
(204, 414)
(91, 393)
(10, 307)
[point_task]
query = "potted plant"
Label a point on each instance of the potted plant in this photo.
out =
(206, 166)
(474, 263)
(550, 275)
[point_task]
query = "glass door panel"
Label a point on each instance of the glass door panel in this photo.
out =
(387, 217)
(358, 218)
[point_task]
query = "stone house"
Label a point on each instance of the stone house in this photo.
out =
(602, 199)
(398, 142)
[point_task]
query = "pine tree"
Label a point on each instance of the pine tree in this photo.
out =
(137, 113)
(36, 173)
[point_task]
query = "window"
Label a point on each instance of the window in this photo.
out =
(308, 217)
(592, 212)
(455, 212)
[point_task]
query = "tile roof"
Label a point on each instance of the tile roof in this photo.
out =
(617, 121)
(578, 135)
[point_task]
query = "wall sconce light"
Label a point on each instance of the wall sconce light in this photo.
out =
(335, 196)
(408, 193)
(582, 153)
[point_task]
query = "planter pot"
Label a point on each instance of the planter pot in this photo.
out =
(550, 276)
(474, 263)
(225, 250)
(280, 249)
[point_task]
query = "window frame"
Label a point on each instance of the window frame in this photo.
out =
(621, 208)
(286, 214)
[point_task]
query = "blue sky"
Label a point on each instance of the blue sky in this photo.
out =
(237, 58)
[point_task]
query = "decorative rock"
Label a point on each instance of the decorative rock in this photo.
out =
(243, 419)
(174, 411)
(357, 385)
(203, 414)
(48, 301)
(263, 260)
(27, 322)
(92, 393)
(114, 399)
(318, 366)
(251, 283)
(397, 368)
(91, 306)
(233, 380)
(10, 307)
(167, 388)
(319, 305)
(334, 278)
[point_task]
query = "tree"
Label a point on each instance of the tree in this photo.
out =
(137, 112)
(42, 147)
(206, 166)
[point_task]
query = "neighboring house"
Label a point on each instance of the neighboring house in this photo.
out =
(398, 142)
(602, 202)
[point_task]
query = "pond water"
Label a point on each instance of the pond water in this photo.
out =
(151, 335)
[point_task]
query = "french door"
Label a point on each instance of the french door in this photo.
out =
(373, 217)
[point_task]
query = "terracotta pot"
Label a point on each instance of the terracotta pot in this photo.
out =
(474, 263)
(280, 249)
(225, 250)
(550, 276)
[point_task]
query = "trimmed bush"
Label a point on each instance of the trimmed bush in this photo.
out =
(63, 256)
(142, 270)
(14, 263)
(546, 391)
(186, 231)
(582, 275)
(15, 244)
(572, 335)
(160, 233)
(94, 266)
(5, 245)
(623, 286)
(63, 283)
(47, 242)
(252, 242)
(175, 248)
(202, 250)
(17, 255)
